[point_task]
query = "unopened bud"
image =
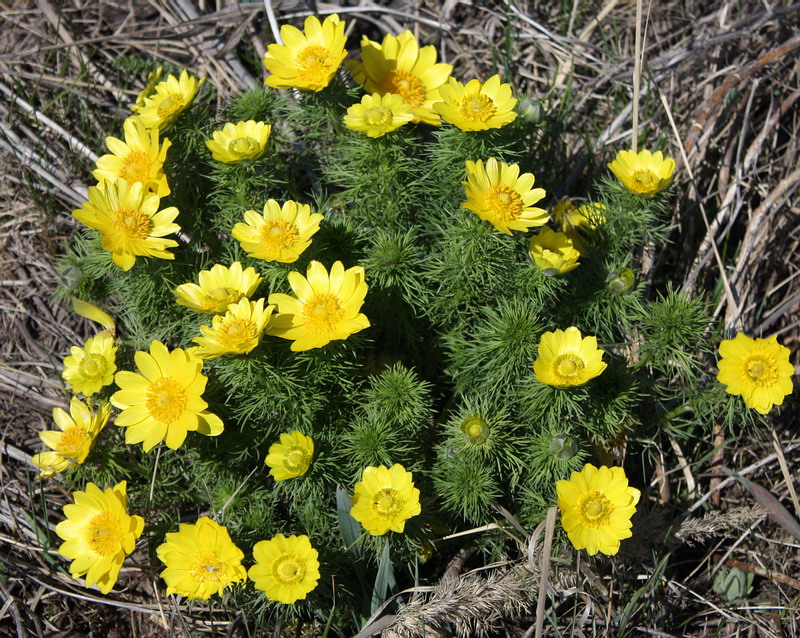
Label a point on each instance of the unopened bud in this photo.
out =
(621, 281)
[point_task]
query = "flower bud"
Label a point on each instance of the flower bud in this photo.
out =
(621, 281)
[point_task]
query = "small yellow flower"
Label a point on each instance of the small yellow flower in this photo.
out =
(596, 508)
(98, 533)
(89, 369)
(164, 401)
(384, 499)
(280, 234)
(286, 568)
(153, 78)
(378, 115)
(643, 173)
(565, 359)
(307, 59)
(553, 252)
(168, 100)
(498, 194)
(240, 141)
(238, 331)
(579, 222)
(397, 65)
(79, 430)
(326, 307)
(218, 288)
(201, 560)
(130, 222)
(476, 106)
(758, 370)
(291, 457)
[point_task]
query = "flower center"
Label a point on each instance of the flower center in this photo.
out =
(386, 503)
(288, 569)
(208, 568)
(71, 441)
(295, 459)
(504, 202)
(224, 294)
(568, 368)
(132, 223)
(594, 509)
(236, 332)
(476, 429)
(165, 400)
(406, 85)
(279, 234)
(244, 146)
(312, 64)
(476, 108)
(321, 313)
(170, 106)
(645, 181)
(135, 167)
(105, 534)
(761, 370)
(379, 117)
(92, 366)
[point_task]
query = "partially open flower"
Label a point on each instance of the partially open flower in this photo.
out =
(238, 142)
(565, 359)
(476, 106)
(643, 173)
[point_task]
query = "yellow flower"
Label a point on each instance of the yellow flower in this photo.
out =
(240, 141)
(307, 59)
(88, 369)
(130, 222)
(219, 288)
(596, 508)
(201, 560)
(757, 370)
(553, 252)
(98, 533)
(93, 313)
(164, 401)
(498, 194)
(378, 115)
(138, 159)
(280, 234)
(153, 78)
(326, 307)
(579, 223)
(168, 100)
(399, 66)
(238, 331)
(643, 173)
(72, 444)
(476, 106)
(286, 568)
(385, 499)
(291, 457)
(565, 359)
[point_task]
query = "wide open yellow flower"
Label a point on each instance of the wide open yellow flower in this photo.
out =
(138, 159)
(596, 508)
(326, 307)
(476, 106)
(565, 359)
(98, 533)
(89, 369)
(286, 568)
(553, 252)
(164, 401)
(307, 59)
(758, 370)
(168, 100)
(397, 65)
(79, 430)
(497, 193)
(579, 223)
(643, 173)
(201, 560)
(153, 79)
(291, 456)
(280, 234)
(238, 331)
(240, 141)
(384, 499)
(219, 288)
(130, 222)
(376, 115)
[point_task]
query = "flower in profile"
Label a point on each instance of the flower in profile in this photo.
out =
(476, 106)
(168, 100)
(130, 222)
(384, 499)
(596, 507)
(326, 307)
(138, 159)
(286, 568)
(290, 457)
(164, 400)
(398, 65)
(79, 430)
(281, 234)
(376, 115)
(240, 141)
(643, 173)
(758, 370)
(553, 252)
(238, 331)
(89, 369)
(307, 59)
(201, 560)
(565, 359)
(579, 223)
(497, 193)
(153, 78)
(98, 533)
(218, 288)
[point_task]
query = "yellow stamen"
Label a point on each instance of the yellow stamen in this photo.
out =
(504, 202)
(594, 509)
(279, 234)
(132, 223)
(135, 167)
(386, 503)
(166, 400)
(476, 108)
(288, 569)
(321, 313)
(406, 85)
(71, 441)
(105, 534)
(312, 64)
